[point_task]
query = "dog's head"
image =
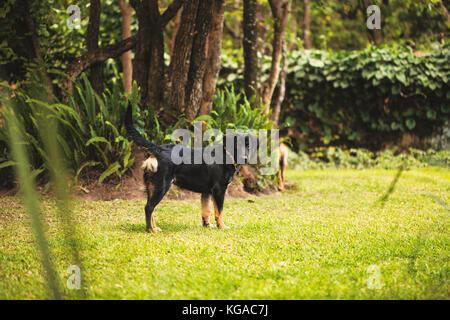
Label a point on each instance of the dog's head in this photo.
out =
(242, 146)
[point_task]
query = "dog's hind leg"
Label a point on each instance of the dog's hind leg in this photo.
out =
(206, 209)
(154, 196)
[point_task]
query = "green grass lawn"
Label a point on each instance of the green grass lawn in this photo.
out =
(324, 240)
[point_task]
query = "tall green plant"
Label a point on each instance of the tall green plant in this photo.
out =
(90, 132)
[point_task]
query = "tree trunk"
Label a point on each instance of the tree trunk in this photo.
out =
(214, 49)
(306, 24)
(96, 77)
(250, 45)
(156, 80)
(176, 27)
(275, 116)
(30, 26)
(181, 59)
(194, 88)
(291, 45)
(280, 10)
(127, 67)
(148, 63)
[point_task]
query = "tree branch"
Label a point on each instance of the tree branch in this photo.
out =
(80, 64)
(171, 12)
(280, 11)
(446, 13)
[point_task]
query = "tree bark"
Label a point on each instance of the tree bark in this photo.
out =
(275, 116)
(148, 63)
(96, 77)
(280, 10)
(181, 59)
(172, 10)
(214, 49)
(250, 45)
(194, 88)
(176, 27)
(306, 24)
(127, 67)
(156, 80)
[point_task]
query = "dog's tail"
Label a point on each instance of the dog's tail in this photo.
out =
(135, 135)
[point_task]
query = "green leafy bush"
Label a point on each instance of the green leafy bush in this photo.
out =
(90, 130)
(368, 97)
(337, 158)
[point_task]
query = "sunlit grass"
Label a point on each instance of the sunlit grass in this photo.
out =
(314, 242)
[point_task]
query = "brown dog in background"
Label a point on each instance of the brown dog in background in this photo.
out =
(282, 164)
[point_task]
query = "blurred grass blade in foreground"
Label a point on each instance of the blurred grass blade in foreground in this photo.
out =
(26, 182)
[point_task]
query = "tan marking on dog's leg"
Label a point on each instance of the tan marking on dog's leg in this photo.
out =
(154, 228)
(280, 179)
(206, 210)
(219, 217)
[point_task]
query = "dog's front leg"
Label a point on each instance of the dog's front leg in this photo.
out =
(219, 197)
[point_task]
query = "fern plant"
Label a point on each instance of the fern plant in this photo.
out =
(233, 110)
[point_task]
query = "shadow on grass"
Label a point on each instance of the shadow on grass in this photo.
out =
(391, 188)
(166, 228)
(438, 200)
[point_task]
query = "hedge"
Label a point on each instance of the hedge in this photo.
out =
(363, 98)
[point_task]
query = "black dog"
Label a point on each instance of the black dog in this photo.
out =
(211, 180)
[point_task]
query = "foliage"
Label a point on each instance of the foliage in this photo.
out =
(341, 25)
(337, 158)
(232, 110)
(90, 130)
(368, 96)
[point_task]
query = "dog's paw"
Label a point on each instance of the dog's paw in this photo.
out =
(223, 227)
(208, 226)
(154, 230)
